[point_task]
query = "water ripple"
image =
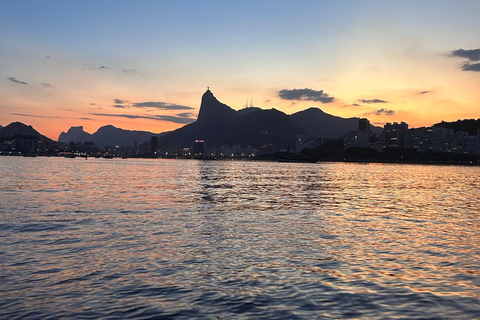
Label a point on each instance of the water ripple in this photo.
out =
(153, 239)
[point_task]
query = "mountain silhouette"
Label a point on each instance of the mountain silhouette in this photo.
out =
(263, 127)
(18, 129)
(212, 111)
(320, 124)
(106, 136)
(75, 134)
(219, 124)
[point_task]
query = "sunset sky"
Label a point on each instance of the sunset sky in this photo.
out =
(144, 65)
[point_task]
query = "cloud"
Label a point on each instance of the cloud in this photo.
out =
(34, 116)
(16, 81)
(118, 101)
(426, 91)
(175, 119)
(305, 95)
(372, 101)
(472, 55)
(129, 116)
(119, 106)
(160, 105)
(380, 112)
(86, 67)
(129, 70)
(85, 118)
(185, 114)
(47, 85)
(467, 66)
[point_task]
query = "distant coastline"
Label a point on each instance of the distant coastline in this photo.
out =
(268, 158)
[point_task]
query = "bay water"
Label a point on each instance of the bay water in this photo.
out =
(193, 239)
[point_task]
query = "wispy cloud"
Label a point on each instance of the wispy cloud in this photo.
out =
(47, 85)
(160, 105)
(16, 81)
(369, 101)
(305, 95)
(425, 92)
(380, 112)
(87, 67)
(34, 116)
(119, 103)
(175, 119)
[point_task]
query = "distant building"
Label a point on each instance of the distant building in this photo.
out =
(360, 137)
(395, 134)
(153, 146)
(199, 148)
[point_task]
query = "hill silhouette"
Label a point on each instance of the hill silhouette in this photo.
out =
(219, 124)
(106, 136)
(468, 125)
(320, 124)
(18, 129)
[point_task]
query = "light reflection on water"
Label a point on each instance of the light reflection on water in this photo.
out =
(217, 239)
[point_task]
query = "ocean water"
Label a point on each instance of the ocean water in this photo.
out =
(191, 239)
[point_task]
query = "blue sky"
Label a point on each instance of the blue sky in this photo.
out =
(64, 63)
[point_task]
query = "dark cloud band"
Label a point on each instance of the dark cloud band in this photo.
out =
(472, 55)
(467, 66)
(16, 81)
(175, 119)
(380, 112)
(368, 101)
(305, 95)
(160, 105)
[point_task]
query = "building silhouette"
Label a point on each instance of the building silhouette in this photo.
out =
(153, 146)
(199, 148)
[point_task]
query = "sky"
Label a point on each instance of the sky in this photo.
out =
(144, 65)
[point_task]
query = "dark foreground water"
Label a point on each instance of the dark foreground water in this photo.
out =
(146, 239)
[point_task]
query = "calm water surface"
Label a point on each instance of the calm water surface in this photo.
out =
(150, 239)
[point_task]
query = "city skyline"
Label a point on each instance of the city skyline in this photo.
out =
(143, 65)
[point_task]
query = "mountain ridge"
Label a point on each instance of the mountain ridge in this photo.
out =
(218, 124)
(106, 135)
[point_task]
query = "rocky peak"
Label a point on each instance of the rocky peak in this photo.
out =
(212, 110)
